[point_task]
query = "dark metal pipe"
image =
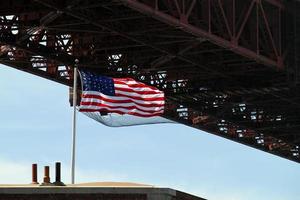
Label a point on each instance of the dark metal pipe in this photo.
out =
(57, 172)
(46, 174)
(34, 174)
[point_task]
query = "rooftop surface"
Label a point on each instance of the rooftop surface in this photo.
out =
(90, 184)
(106, 190)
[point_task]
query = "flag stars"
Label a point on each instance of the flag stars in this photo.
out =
(101, 84)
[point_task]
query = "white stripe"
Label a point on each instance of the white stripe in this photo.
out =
(122, 98)
(130, 82)
(122, 110)
(136, 88)
(139, 95)
(117, 120)
(153, 108)
(133, 82)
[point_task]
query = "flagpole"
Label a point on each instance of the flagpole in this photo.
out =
(74, 122)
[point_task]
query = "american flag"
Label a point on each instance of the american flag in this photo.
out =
(119, 95)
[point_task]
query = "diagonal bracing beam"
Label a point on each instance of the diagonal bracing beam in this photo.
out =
(164, 59)
(87, 19)
(155, 13)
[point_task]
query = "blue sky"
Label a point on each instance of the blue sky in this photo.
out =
(35, 127)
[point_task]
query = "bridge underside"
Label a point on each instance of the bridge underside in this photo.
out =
(229, 67)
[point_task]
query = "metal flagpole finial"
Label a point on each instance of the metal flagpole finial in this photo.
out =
(74, 122)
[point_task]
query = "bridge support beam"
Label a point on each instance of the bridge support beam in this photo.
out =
(230, 37)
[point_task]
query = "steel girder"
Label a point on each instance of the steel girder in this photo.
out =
(217, 74)
(223, 23)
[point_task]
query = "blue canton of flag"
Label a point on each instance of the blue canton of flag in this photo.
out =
(98, 83)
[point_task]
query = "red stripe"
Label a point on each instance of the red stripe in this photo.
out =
(131, 97)
(138, 92)
(120, 112)
(137, 85)
(120, 101)
(116, 107)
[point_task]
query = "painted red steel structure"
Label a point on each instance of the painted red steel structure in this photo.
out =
(229, 67)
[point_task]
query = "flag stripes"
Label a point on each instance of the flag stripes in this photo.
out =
(130, 97)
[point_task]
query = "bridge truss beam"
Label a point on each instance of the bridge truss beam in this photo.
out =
(218, 75)
(223, 24)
